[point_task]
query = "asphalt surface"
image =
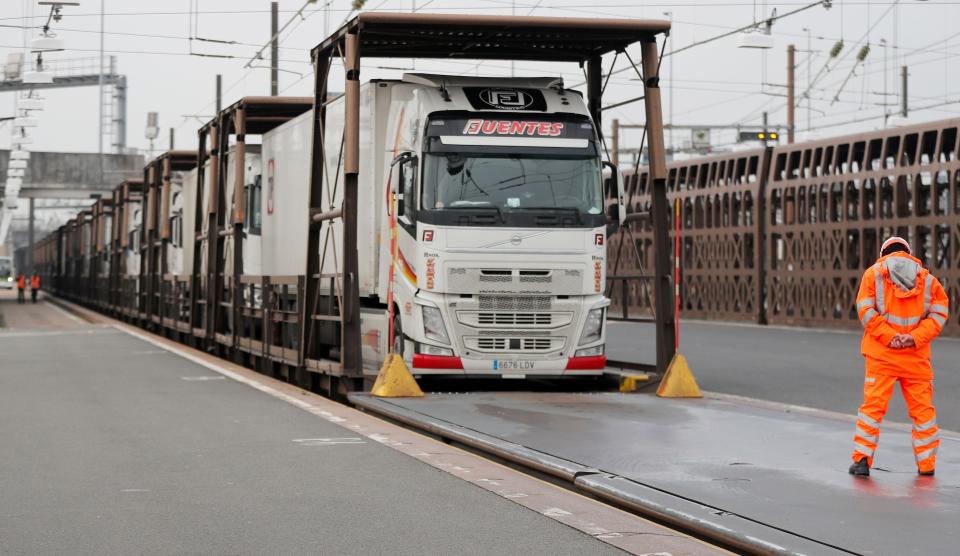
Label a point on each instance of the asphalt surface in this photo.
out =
(785, 471)
(32, 316)
(814, 368)
(113, 446)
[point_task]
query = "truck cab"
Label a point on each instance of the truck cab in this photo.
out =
(497, 194)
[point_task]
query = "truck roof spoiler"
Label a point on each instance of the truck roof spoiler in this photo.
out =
(441, 81)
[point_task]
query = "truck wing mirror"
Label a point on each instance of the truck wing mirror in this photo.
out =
(617, 178)
(399, 160)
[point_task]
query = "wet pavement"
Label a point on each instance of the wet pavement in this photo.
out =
(784, 470)
(814, 368)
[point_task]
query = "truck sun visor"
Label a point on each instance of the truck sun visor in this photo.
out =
(499, 129)
(479, 126)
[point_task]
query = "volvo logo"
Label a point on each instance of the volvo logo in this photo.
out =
(516, 239)
(506, 99)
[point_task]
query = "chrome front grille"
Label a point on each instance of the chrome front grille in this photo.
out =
(510, 319)
(502, 344)
(514, 303)
(527, 319)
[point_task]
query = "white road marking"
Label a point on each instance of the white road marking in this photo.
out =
(292, 400)
(328, 441)
(38, 333)
(63, 311)
(201, 378)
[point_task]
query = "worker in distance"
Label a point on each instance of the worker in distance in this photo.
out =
(902, 308)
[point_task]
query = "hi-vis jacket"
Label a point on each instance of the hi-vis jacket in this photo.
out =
(898, 296)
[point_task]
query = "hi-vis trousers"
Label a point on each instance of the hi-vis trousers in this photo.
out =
(877, 389)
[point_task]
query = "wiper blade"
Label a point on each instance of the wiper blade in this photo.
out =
(478, 207)
(576, 212)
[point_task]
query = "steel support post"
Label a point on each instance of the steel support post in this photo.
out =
(196, 281)
(148, 255)
(791, 103)
(165, 197)
(595, 91)
(350, 344)
(274, 48)
(308, 336)
(220, 215)
(903, 91)
(615, 142)
(213, 232)
(31, 224)
(663, 289)
(239, 175)
(760, 240)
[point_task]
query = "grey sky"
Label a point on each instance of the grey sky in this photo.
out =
(716, 83)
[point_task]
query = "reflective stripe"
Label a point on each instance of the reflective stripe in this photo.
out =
(941, 320)
(867, 436)
(942, 309)
(868, 316)
(870, 379)
(879, 280)
(866, 302)
(926, 293)
(918, 443)
(925, 426)
(875, 424)
(927, 454)
(902, 321)
(863, 449)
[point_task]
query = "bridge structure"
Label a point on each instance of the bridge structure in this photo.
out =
(57, 182)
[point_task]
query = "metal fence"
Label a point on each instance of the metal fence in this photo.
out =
(782, 235)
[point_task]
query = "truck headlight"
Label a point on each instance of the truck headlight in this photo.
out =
(427, 349)
(595, 351)
(593, 328)
(433, 327)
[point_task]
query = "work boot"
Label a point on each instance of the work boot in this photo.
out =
(926, 473)
(860, 468)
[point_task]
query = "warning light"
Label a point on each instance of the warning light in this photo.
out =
(758, 135)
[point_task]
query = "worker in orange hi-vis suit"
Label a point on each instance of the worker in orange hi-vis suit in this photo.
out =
(21, 289)
(903, 308)
(34, 287)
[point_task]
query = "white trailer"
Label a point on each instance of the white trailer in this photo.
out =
(493, 188)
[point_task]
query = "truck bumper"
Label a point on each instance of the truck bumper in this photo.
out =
(509, 368)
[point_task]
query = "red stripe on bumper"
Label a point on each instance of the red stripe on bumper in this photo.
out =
(421, 361)
(592, 363)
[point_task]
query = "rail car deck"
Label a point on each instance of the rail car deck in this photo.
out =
(756, 476)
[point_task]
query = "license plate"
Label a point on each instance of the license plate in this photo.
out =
(512, 365)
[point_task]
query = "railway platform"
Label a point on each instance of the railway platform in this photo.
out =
(119, 442)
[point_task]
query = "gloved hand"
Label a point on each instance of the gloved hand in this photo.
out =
(901, 341)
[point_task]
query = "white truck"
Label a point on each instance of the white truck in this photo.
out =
(495, 186)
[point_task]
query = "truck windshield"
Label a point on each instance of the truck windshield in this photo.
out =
(512, 182)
